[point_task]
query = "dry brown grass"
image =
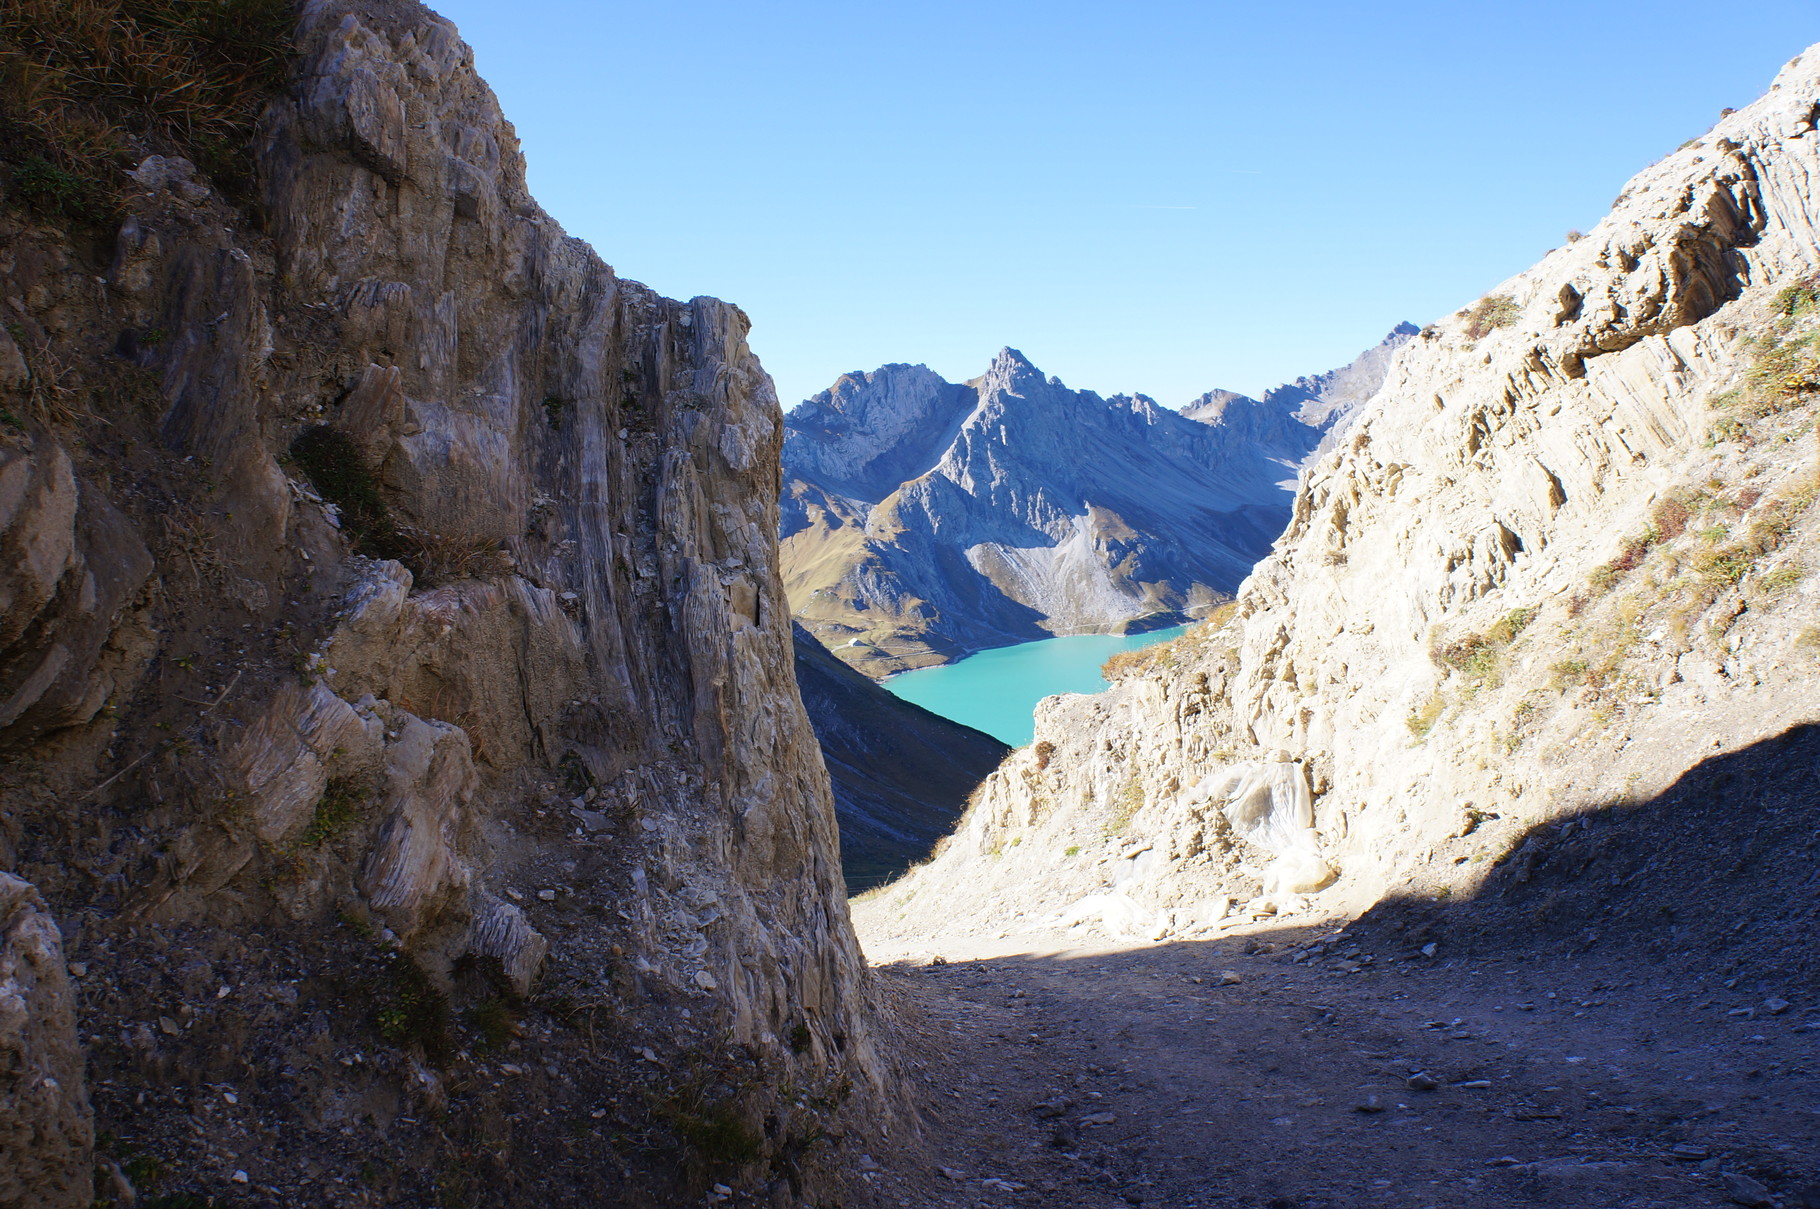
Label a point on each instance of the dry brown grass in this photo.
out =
(1165, 656)
(1423, 718)
(1785, 365)
(88, 86)
(1489, 314)
(184, 542)
(1809, 641)
(50, 397)
(439, 558)
(1480, 656)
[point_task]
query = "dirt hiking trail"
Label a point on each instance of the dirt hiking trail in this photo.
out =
(1292, 1069)
(1624, 1014)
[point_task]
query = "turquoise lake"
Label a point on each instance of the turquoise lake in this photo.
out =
(996, 690)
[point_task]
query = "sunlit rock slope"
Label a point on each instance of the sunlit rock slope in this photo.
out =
(1564, 555)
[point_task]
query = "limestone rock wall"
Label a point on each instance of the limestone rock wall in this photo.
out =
(46, 1127)
(388, 581)
(1565, 553)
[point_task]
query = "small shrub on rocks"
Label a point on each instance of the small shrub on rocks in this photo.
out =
(337, 810)
(413, 1011)
(1480, 657)
(1489, 314)
(1782, 579)
(1569, 672)
(1423, 719)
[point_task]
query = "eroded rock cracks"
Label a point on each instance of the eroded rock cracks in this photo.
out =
(396, 691)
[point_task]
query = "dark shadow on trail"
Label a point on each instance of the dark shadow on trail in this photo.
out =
(1625, 1014)
(1721, 871)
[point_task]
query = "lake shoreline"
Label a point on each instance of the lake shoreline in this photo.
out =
(996, 690)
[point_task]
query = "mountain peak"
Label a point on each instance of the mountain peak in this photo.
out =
(1009, 370)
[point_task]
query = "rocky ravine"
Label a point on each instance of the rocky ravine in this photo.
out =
(1565, 554)
(396, 693)
(925, 520)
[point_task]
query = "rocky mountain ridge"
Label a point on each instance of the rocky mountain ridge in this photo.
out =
(1564, 555)
(1327, 401)
(924, 519)
(407, 796)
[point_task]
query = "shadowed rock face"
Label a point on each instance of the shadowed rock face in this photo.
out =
(409, 640)
(46, 1128)
(924, 520)
(901, 774)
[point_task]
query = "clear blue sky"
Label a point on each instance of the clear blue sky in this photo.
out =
(1153, 195)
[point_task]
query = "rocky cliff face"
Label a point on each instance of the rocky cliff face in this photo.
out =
(396, 689)
(1565, 554)
(46, 1126)
(925, 520)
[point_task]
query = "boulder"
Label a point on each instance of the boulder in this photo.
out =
(47, 1130)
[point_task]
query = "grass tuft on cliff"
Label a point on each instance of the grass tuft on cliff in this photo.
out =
(1489, 314)
(87, 87)
(1167, 655)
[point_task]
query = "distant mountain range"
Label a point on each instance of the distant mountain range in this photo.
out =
(1326, 401)
(924, 520)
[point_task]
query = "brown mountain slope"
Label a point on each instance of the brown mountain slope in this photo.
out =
(901, 774)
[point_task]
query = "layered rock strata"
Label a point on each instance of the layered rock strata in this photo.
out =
(1564, 555)
(397, 685)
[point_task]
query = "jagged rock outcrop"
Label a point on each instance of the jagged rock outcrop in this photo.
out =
(397, 680)
(901, 775)
(1565, 553)
(1327, 402)
(46, 1128)
(925, 520)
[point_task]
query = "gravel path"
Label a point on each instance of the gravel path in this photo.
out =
(1306, 1074)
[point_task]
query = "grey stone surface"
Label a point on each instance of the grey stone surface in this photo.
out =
(46, 1128)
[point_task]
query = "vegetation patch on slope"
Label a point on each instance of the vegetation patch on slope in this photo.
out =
(1169, 655)
(87, 87)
